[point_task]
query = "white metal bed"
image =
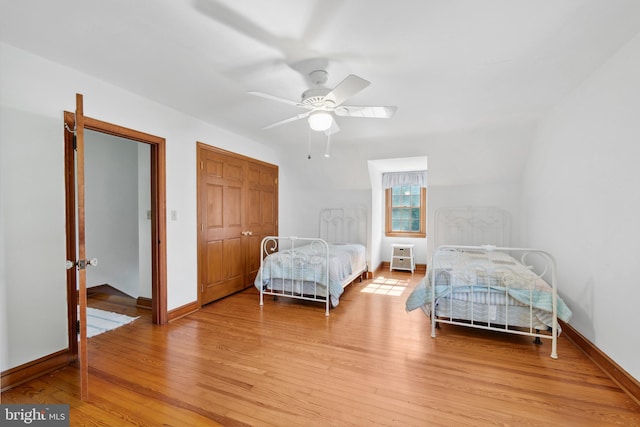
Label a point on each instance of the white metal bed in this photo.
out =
(490, 287)
(316, 269)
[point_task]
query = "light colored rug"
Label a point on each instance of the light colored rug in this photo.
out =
(99, 321)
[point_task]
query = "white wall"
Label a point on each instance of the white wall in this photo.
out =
(309, 185)
(34, 233)
(582, 203)
(144, 222)
(482, 167)
(377, 216)
(34, 92)
(4, 315)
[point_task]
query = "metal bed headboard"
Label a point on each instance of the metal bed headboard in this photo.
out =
(472, 226)
(339, 225)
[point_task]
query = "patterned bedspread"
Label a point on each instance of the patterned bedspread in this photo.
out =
(304, 268)
(485, 277)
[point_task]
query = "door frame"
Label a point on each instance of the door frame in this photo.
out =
(158, 217)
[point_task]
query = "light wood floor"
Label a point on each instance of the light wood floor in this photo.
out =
(369, 363)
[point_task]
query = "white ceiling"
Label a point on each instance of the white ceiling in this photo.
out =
(448, 65)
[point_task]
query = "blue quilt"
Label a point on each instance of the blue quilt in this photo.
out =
(307, 264)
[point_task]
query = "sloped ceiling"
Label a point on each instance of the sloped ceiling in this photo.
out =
(448, 65)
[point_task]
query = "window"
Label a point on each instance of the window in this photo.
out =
(406, 211)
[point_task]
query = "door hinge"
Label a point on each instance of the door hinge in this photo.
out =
(73, 131)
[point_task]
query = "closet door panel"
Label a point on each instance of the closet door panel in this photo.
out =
(214, 263)
(222, 200)
(261, 215)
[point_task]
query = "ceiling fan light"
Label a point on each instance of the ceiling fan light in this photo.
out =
(320, 120)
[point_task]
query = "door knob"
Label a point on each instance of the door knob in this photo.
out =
(82, 263)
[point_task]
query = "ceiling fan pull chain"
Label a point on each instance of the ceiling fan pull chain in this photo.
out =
(309, 146)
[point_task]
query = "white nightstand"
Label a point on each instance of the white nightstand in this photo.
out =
(402, 257)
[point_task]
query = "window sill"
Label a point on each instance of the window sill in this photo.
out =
(401, 234)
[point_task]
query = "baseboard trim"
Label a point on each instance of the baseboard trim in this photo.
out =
(384, 266)
(621, 377)
(144, 302)
(182, 311)
(106, 289)
(34, 369)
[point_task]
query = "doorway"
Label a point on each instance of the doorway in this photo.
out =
(118, 217)
(157, 217)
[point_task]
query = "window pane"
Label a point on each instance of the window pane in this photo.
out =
(405, 209)
(400, 213)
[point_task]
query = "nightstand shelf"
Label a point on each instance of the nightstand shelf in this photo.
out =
(402, 257)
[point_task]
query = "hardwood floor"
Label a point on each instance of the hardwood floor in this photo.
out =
(369, 363)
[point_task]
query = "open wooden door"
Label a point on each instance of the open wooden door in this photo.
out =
(75, 124)
(81, 263)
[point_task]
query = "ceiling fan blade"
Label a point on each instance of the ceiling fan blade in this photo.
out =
(333, 129)
(351, 85)
(277, 98)
(290, 49)
(289, 120)
(227, 16)
(366, 111)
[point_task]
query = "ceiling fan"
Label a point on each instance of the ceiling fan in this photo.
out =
(322, 103)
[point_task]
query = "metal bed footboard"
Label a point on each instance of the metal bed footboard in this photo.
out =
(303, 278)
(544, 264)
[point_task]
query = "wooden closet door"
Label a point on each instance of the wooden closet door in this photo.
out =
(237, 207)
(222, 207)
(262, 211)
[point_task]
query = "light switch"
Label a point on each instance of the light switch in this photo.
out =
(174, 215)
